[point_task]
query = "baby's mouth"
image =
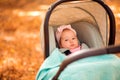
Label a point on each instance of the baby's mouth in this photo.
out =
(72, 45)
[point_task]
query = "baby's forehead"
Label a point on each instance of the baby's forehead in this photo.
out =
(67, 30)
(68, 34)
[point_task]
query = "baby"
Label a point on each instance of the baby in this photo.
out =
(66, 37)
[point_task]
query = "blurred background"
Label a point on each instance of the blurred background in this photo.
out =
(20, 52)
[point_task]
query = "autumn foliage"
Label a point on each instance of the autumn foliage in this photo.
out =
(20, 52)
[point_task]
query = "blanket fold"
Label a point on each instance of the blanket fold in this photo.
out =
(103, 67)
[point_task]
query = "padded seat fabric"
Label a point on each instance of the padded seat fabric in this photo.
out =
(86, 32)
(89, 34)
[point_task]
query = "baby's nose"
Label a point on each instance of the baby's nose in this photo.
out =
(71, 41)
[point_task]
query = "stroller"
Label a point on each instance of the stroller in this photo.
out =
(93, 21)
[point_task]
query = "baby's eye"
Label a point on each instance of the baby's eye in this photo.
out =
(73, 38)
(66, 39)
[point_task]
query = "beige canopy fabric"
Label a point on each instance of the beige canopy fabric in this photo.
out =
(74, 11)
(71, 12)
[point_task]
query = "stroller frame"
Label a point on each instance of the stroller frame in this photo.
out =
(53, 6)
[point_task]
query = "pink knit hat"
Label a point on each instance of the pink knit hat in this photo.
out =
(60, 30)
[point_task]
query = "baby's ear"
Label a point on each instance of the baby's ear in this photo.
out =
(60, 45)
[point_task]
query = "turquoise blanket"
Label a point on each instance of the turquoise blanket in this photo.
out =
(103, 67)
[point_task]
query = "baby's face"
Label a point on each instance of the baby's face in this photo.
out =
(68, 39)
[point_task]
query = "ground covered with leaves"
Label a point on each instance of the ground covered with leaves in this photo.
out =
(20, 52)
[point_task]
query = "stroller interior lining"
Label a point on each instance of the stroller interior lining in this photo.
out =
(86, 32)
(90, 12)
(94, 14)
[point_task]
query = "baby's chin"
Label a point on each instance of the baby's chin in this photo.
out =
(73, 47)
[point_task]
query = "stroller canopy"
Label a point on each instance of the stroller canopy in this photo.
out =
(93, 12)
